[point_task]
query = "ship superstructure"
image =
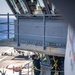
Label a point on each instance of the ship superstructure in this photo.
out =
(38, 27)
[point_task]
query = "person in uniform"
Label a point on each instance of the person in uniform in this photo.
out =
(36, 65)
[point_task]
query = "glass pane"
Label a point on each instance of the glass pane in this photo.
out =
(41, 3)
(23, 6)
(14, 6)
(40, 8)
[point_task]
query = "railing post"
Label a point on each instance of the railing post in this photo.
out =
(28, 68)
(13, 69)
(20, 72)
(44, 29)
(8, 24)
(18, 29)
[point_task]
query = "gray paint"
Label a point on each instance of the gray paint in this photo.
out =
(31, 31)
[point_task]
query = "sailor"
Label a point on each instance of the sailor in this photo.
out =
(36, 65)
(55, 63)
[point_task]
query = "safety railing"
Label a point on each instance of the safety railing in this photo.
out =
(9, 31)
(30, 71)
(6, 26)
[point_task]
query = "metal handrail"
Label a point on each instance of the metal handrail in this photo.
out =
(35, 35)
(7, 23)
(55, 71)
(46, 70)
(5, 30)
(28, 15)
(32, 15)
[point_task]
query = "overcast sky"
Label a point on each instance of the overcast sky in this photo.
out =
(4, 8)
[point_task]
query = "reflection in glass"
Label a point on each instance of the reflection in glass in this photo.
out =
(40, 8)
(14, 6)
(23, 6)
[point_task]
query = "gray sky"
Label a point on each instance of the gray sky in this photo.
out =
(4, 8)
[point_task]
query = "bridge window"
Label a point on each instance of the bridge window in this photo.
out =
(14, 6)
(23, 6)
(40, 8)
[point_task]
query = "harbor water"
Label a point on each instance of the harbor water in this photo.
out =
(4, 28)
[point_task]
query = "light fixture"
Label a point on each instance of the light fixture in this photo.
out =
(32, 1)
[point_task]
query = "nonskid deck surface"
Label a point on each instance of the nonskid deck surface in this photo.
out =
(6, 49)
(10, 61)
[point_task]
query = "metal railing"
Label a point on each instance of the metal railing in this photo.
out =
(5, 23)
(31, 72)
(44, 36)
